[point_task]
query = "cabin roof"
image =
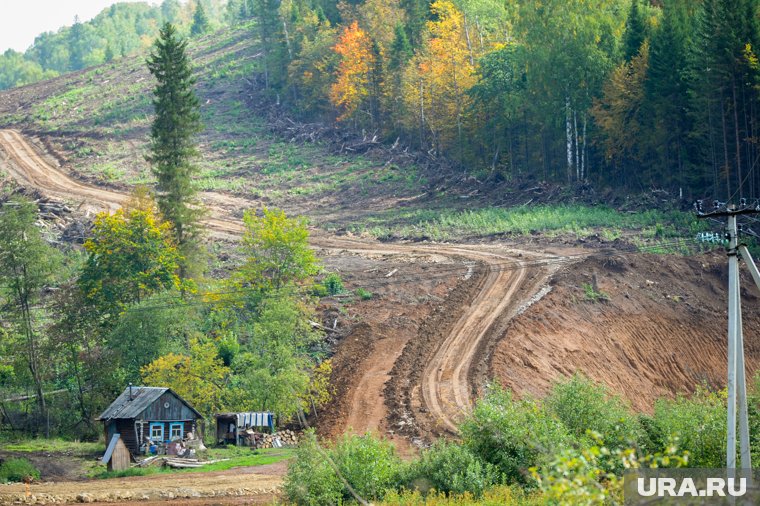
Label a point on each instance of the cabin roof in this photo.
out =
(141, 398)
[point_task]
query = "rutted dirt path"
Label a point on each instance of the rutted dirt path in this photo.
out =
(255, 484)
(511, 278)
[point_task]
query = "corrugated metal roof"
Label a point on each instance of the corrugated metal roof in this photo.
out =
(124, 407)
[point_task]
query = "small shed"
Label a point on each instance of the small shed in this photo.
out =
(117, 456)
(230, 425)
(142, 415)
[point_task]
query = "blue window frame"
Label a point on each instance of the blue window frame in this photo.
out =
(176, 430)
(156, 431)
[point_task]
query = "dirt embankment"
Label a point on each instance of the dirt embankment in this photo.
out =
(662, 331)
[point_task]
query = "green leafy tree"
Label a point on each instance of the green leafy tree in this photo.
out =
(131, 256)
(584, 406)
(453, 469)
(698, 423)
(514, 435)
(27, 265)
(149, 329)
(273, 371)
(199, 376)
(277, 251)
(173, 144)
(621, 115)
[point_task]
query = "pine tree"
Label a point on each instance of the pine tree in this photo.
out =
(200, 21)
(76, 45)
(667, 99)
(274, 42)
(173, 146)
(635, 31)
(417, 14)
(109, 53)
(401, 49)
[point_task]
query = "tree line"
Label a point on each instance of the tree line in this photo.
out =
(134, 305)
(119, 30)
(635, 94)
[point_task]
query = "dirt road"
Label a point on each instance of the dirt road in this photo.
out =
(217, 487)
(512, 278)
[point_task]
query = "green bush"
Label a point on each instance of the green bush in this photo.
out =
(319, 290)
(697, 423)
(333, 283)
(501, 495)
(592, 295)
(363, 294)
(17, 469)
(513, 435)
(583, 406)
(311, 480)
(369, 464)
(453, 469)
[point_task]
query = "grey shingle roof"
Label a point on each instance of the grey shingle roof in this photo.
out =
(123, 407)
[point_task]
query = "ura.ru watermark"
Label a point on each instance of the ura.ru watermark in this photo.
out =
(691, 486)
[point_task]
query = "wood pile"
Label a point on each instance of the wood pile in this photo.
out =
(189, 463)
(276, 440)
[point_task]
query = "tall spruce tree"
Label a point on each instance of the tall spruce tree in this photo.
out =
(173, 145)
(635, 31)
(200, 21)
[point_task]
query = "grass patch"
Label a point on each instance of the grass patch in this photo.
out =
(15, 470)
(581, 221)
(54, 445)
(593, 295)
(237, 457)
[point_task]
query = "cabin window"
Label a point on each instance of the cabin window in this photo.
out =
(176, 431)
(157, 431)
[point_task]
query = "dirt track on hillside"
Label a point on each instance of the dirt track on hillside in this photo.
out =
(445, 385)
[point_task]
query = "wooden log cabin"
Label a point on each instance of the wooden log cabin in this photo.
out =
(145, 414)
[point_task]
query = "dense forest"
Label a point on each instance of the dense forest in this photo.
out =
(637, 94)
(633, 94)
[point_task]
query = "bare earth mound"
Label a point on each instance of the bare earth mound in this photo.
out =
(662, 331)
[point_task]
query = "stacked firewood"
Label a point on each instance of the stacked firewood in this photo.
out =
(276, 440)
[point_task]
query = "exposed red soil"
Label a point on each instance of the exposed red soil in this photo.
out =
(662, 331)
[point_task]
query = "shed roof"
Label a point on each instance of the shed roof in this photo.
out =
(131, 406)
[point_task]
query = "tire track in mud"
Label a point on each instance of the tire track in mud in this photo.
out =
(433, 379)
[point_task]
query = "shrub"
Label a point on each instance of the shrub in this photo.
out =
(311, 480)
(333, 283)
(583, 406)
(363, 294)
(369, 464)
(453, 469)
(699, 424)
(319, 290)
(18, 469)
(513, 435)
(591, 294)
(501, 495)
(583, 477)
